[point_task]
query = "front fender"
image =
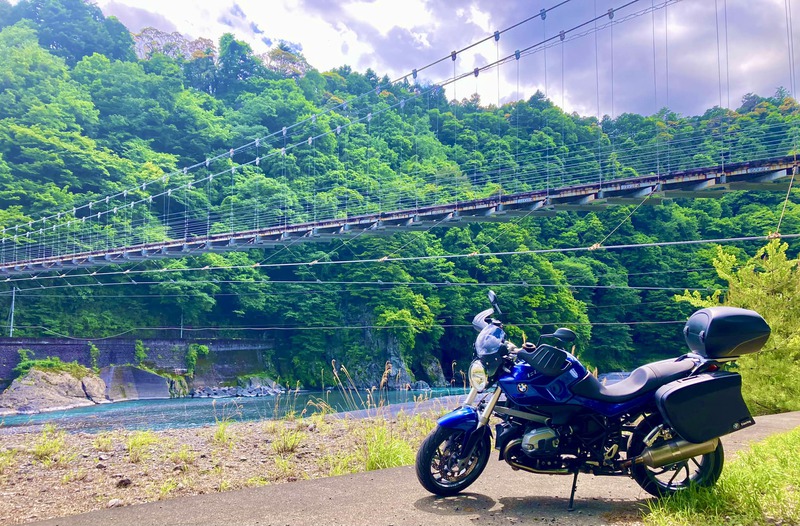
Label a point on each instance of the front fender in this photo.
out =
(464, 419)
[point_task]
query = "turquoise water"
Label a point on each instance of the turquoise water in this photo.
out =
(195, 412)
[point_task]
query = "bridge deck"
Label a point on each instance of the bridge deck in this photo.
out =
(769, 174)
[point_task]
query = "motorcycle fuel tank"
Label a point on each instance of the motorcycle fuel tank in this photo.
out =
(525, 386)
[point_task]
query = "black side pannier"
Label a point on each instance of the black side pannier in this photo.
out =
(705, 406)
(725, 332)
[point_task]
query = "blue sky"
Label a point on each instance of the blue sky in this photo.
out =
(670, 57)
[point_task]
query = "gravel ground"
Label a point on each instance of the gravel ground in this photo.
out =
(55, 474)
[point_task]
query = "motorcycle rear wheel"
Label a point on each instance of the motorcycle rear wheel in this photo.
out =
(702, 470)
(438, 465)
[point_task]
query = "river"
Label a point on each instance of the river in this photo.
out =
(196, 412)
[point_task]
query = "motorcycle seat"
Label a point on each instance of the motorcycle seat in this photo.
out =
(642, 380)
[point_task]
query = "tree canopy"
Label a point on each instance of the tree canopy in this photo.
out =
(88, 110)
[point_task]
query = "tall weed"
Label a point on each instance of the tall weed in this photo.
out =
(758, 488)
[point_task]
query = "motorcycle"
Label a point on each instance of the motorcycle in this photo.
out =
(660, 425)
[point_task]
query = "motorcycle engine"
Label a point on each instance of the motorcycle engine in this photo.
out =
(541, 441)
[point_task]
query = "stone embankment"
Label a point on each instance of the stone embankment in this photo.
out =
(226, 392)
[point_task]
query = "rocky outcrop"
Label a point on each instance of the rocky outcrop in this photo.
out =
(126, 382)
(39, 391)
(251, 382)
(433, 369)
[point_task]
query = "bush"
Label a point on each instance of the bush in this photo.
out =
(194, 350)
(94, 354)
(140, 352)
(50, 364)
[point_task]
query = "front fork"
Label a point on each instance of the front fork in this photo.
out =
(473, 422)
(483, 417)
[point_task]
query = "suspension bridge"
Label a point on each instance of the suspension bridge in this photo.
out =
(764, 175)
(166, 218)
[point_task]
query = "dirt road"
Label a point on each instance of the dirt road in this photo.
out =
(394, 497)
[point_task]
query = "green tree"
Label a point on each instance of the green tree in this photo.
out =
(768, 283)
(73, 29)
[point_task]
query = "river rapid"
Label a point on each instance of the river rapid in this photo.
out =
(196, 412)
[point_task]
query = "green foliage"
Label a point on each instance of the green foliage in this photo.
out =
(758, 488)
(103, 442)
(768, 283)
(140, 352)
(79, 118)
(192, 352)
(94, 355)
(52, 364)
(184, 456)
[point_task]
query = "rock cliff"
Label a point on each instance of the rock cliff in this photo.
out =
(39, 391)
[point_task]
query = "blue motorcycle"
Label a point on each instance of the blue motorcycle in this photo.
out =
(660, 426)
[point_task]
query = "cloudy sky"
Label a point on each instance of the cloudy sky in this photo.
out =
(688, 54)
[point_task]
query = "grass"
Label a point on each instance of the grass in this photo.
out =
(167, 487)
(8, 459)
(222, 435)
(49, 448)
(759, 488)
(340, 463)
(287, 441)
(385, 449)
(257, 481)
(285, 468)
(139, 443)
(184, 456)
(74, 476)
(103, 442)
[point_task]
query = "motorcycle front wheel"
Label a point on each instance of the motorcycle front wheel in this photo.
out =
(440, 467)
(702, 470)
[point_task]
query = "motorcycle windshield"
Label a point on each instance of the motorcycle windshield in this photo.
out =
(479, 321)
(489, 341)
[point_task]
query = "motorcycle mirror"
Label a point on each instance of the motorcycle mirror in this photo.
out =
(565, 335)
(493, 301)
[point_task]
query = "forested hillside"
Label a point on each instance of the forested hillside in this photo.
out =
(87, 110)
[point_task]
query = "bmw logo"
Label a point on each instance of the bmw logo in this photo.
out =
(522, 388)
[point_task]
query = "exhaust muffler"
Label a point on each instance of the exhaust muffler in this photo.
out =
(671, 452)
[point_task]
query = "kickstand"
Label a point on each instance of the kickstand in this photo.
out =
(571, 506)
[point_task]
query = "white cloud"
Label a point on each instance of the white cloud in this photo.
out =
(393, 37)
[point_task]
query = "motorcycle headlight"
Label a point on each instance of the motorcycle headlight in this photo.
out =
(477, 376)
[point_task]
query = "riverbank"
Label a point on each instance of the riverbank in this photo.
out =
(51, 473)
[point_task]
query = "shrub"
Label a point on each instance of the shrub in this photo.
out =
(49, 364)
(139, 352)
(94, 355)
(192, 352)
